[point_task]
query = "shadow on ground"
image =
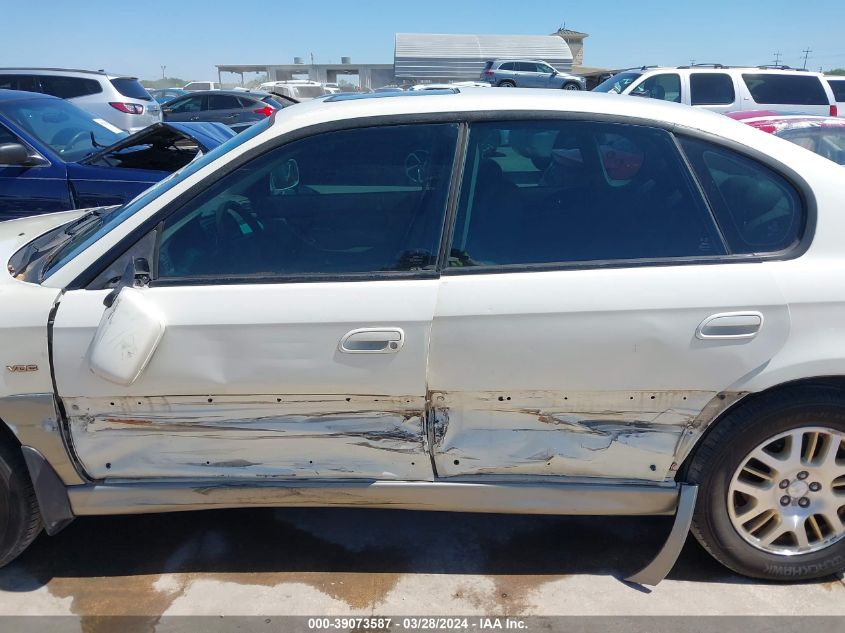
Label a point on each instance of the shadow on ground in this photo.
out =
(352, 541)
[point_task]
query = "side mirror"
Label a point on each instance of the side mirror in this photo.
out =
(284, 177)
(16, 154)
(166, 110)
(136, 275)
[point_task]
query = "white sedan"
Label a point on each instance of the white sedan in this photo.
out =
(533, 303)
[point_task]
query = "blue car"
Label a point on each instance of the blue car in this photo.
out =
(55, 157)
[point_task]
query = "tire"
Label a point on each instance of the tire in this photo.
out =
(20, 520)
(724, 516)
(571, 86)
(507, 83)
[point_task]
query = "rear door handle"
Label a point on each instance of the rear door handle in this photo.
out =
(373, 341)
(730, 325)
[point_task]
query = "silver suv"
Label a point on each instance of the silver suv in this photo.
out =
(117, 99)
(529, 73)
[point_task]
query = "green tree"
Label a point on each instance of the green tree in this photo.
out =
(836, 71)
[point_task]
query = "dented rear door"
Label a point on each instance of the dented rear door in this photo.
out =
(593, 339)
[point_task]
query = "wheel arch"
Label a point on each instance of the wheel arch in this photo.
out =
(745, 400)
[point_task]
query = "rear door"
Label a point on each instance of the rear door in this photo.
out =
(223, 108)
(295, 295)
(591, 308)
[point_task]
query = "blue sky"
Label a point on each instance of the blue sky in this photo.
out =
(191, 36)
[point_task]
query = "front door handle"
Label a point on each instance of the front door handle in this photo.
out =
(730, 325)
(373, 341)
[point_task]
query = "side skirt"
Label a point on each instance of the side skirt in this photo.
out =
(517, 498)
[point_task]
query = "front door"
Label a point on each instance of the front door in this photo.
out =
(286, 328)
(609, 312)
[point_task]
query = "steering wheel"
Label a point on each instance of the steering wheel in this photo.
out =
(76, 138)
(233, 213)
(416, 166)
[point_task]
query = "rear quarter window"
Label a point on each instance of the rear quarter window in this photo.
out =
(786, 89)
(131, 88)
(838, 87)
(758, 210)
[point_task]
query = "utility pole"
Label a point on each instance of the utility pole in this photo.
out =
(777, 58)
(162, 71)
(806, 52)
(692, 62)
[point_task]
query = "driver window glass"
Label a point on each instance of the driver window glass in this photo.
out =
(758, 210)
(354, 201)
(663, 87)
(545, 192)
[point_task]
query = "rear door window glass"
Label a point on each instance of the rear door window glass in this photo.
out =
(223, 102)
(711, 89)
(838, 87)
(320, 206)
(545, 192)
(69, 87)
(758, 210)
(786, 89)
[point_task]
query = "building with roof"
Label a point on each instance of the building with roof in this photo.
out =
(436, 57)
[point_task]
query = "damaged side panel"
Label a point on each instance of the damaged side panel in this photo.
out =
(621, 435)
(303, 437)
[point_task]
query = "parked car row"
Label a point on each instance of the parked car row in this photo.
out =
(55, 156)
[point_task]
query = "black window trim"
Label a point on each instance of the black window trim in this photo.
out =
(465, 119)
(795, 250)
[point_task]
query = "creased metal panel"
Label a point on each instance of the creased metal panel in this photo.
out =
(630, 435)
(250, 437)
(449, 56)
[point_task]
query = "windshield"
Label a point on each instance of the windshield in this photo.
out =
(78, 242)
(70, 132)
(617, 83)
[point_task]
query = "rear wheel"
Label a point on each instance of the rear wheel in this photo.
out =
(507, 83)
(20, 520)
(772, 478)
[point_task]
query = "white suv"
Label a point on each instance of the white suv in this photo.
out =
(837, 85)
(728, 89)
(116, 99)
(537, 303)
